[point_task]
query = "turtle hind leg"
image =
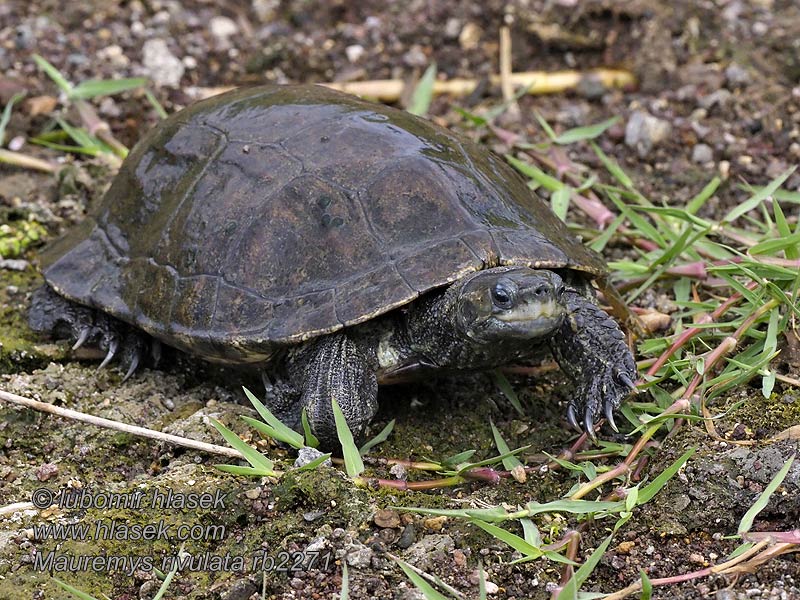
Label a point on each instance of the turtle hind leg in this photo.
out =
(326, 368)
(55, 316)
(591, 349)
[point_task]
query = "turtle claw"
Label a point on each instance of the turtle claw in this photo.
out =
(82, 337)
(572, 418)
(608, 409)
(268, 387)
(588, 423)
(133, 366)
(623, 378)
(155, 351)
(112, 350)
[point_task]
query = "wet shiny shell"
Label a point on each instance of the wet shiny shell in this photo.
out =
(270, 215)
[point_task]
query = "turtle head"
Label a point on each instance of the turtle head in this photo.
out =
(510, 303)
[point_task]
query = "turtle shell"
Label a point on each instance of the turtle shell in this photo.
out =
(270, 215)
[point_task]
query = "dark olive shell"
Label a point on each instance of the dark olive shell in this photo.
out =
(274, 214)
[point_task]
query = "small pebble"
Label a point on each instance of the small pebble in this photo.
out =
(386, 518)
(163, 67)
(702, 154)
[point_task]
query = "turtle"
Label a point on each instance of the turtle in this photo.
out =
(331, 243)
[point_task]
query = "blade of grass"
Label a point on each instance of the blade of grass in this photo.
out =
(286, 433)
(7, 114)
(763, 499)
(757, 198)
(53, 74)
(155, 104)
(510, 461)
(422, 585)
(105, 87)
(378, 439)
(352, 459)
(587, 132)
(423, 93)
(74, 591)
(253, 456)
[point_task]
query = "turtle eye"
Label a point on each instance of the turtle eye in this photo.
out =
(502, 295)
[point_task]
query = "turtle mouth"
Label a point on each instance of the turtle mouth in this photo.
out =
(530, 312)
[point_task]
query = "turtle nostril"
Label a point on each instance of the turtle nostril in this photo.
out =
(542, 291)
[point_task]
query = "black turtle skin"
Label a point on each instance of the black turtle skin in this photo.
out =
(332, 242)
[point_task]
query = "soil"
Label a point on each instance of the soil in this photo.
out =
(722, 75)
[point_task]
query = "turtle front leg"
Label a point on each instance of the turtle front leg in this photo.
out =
(591, 350)
(53, 315)
(333, 367)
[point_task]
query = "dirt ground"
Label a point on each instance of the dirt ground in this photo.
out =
(722, 75)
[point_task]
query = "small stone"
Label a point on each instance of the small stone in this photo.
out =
(386, 518)
(163, 67)
(491, 587)
(407, 537)
(696, 558)
(16, 143)
(644, 131)
(434, 523)
(14, 264)
(470, 36)
(702, 154)
(519, 474)
(307, 455)
(625, 547)
(354, 52)
(266, 10)
(358, 555)
(40, 105)
(415, 57)
(452, 28)
(222, 28)
(46, 471)
(736, 75)
(252, 494)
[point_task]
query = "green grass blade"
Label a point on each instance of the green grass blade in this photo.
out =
(586, 568)
(510, 461)
(588, 132)
(378, 439)
(530, 551)
(700, 199)
(508, 391)
(612, 167)
(531, 532)
(7, 114)
(314, 463)
(311, 439)
(545, 126)
(253, 456)
(747, 520)
(168, 579)
(266, 429)
(759, 196)
(352, 459)
(559, 201)
(162, 114)
(420, 582)
(246, 471)
(547, 181)
(53, 74)
(345, 595)
(74, 591)
(105, 87)
(647, 586)
(651, 489)
(289, 435)
(423, 93)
